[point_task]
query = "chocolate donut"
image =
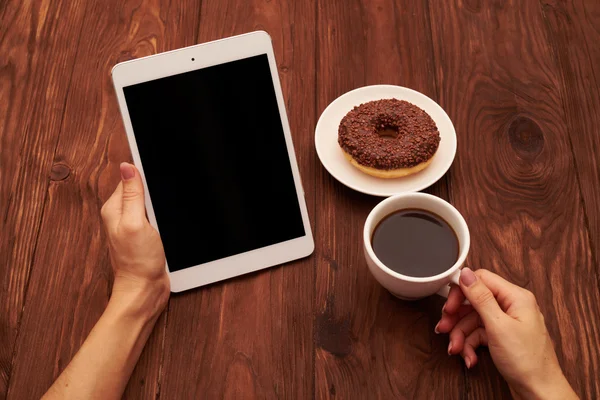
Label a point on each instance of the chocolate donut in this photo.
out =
(388, 138)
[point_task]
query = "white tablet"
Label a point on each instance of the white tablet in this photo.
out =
(209, 133)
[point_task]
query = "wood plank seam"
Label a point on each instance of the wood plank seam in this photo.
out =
(436, 88)
(316, 209)
(19, 319)
(162, 351)
(199, 19)
(446, 176)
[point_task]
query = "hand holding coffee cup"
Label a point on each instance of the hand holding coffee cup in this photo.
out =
(415, 245)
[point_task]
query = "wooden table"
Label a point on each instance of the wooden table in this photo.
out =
(519, 79)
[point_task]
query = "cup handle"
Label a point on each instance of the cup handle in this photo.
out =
(445, 290)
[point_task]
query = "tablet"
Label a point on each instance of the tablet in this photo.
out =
(210, 136)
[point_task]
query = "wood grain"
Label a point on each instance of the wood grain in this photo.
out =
(71, 260)
(35, 74)
(366, 346)
(252, 337)
(518, 79)
(500, 85)
(574, 35)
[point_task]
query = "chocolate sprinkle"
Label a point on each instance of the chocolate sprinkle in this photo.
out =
(416, 142)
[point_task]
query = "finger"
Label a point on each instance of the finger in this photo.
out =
(463, 328)
(111, 210)
(477, 338)
(448, 321)
(481, 298)
(505, 292)
(133, 209)
(455, 300)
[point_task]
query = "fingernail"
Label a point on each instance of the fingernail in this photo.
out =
(468, 362)
(127, 171)
(436, 328)
(450, 349)
(467, 277)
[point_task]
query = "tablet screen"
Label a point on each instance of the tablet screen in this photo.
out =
(213, 151)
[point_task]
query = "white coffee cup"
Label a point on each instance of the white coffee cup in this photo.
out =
(409, 287)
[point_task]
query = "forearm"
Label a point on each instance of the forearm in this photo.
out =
(103, 365)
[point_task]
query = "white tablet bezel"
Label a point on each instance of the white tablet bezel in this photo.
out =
(193, 58)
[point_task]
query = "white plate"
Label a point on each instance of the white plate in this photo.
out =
(332, 157)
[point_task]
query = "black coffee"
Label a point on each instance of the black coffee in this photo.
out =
(416, 243)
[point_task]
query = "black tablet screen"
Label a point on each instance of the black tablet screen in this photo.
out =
(215, 159)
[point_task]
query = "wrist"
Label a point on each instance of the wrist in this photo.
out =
(141, 300)
(552, 386)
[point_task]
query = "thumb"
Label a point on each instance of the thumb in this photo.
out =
(133, 209)
(480, 297)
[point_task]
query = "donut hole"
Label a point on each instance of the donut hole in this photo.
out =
(388, 132)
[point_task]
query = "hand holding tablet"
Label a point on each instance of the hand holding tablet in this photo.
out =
(209, 134)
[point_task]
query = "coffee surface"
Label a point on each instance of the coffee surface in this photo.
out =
(415, 243)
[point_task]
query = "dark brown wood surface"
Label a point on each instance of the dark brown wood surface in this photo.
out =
(520, 81)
